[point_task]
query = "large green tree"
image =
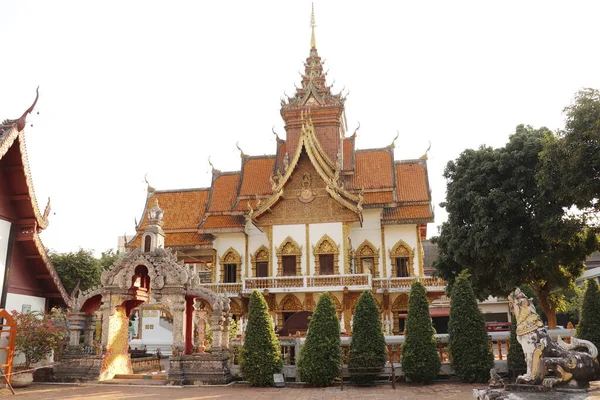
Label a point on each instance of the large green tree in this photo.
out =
(320, 357)
(589, 326)
(260, 356)
(469, 345)
(77, 267)
(505, 228)
(367, 349)
(571, 161)
(420, 358)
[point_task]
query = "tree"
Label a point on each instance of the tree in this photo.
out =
(470, 351)
(80, 267)
(516, 357)
(589, 326)
(320, 357)
(571, 161)
(260, 356)
(108, 258)
(367, 349)
(420, 359)
(505, 228)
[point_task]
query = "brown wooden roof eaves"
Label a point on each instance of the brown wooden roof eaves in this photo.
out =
(224, 192)
(373, 169)
(223, 221)
(411, 182)
(418, 213)
(182, 239)
(378, 198)
(255, 176)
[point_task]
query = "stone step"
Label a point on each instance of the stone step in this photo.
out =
(141, 376)
(135, 382)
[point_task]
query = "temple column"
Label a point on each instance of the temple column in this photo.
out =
(216, 321)
(225, 336)
(76, 326)
(189, 325)
(177, 308)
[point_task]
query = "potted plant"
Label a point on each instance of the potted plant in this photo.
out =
(38, 333)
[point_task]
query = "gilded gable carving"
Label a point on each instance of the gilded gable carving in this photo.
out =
(362, 259)
(402, 249)
(305, 200)
(326, 245)
(231, 256)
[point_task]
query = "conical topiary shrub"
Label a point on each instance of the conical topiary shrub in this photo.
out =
(470, 352)
(260, 356)
(589, 326)
(367, 349)
(320, 357)
(420, 359)
(516, 357)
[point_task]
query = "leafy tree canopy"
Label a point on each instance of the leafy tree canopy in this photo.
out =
(81, 266)
(505, 228)
(571, 162)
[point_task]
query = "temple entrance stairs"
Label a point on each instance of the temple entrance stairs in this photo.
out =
(138, 379)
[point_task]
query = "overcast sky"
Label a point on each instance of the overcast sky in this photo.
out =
(129, 88)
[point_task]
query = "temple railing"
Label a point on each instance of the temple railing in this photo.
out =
(319, 283)
(404, 284)
(308, 283)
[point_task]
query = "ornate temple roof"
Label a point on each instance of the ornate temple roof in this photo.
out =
(30, 221)
(315, 125)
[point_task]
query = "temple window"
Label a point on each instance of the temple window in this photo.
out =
(402, 259)
(289, 265)
(147, 243)
(289, 256)
(230, 273)
(401, 267)
(231, 266)
(326, 257)
(260, 262)
(325, 264)
(366, 259)
(262, 269)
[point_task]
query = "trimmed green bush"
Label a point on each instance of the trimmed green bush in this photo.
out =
(516, 357)
(260, 356)
(470, 352)
(420, 359)
(320, 357)
(589, 326)
(367, 349)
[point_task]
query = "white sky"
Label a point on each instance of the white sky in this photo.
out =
(129, 88)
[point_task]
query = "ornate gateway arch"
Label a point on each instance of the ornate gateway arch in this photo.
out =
(150, 274)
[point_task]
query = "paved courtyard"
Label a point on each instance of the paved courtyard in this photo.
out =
(457, 391)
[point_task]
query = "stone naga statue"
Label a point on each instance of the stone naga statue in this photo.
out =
(542, 353)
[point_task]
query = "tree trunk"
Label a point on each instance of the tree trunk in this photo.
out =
(550, 312)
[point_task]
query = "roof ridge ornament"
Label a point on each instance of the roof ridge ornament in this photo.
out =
(313, 41)
(21, 121)
(242, 154)
(425, 156)
(392, 145)
(149, 188)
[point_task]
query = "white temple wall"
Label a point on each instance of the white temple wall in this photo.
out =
(370, 230)
(394, 233)
(316, 231)
(223, 242)
(256, 238)
(296, 232)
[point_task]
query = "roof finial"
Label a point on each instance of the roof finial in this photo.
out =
(313, 42)
(426, 155)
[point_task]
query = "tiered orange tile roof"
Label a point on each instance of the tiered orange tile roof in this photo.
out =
(224, 192)
(411, 182)
(373, 170)
(223, 221)
(255, 176)
(408, 213)
(379, 197)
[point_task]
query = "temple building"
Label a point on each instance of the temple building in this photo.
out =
(317, 215)
(30, 283)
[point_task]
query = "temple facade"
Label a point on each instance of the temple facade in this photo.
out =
(318, 215)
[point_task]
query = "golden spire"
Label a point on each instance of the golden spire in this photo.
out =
(313, 42)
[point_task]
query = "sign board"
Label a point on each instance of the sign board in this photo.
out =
(279, 380)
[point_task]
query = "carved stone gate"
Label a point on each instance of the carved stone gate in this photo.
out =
(145, 274)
